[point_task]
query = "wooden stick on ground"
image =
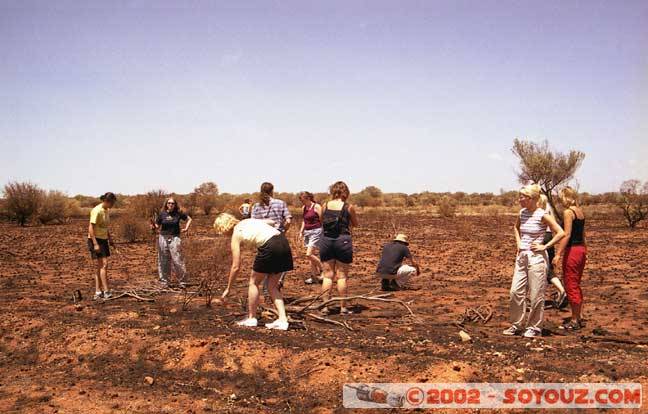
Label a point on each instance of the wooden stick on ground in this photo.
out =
(132, 294)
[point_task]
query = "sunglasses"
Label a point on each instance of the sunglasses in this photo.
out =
(171, 202)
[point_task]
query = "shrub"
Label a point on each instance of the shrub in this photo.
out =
(447, 207)
(147, 205)
(22, 201)
(55, 206)
(132, 229)
(549, 169)
(206, 196)
(633, 201)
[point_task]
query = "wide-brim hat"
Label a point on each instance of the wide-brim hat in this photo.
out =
(401, 238)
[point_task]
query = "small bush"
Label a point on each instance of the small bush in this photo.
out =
(53, 208)
(447, 207)
(132, 229)
(22, 201)
(147, 205)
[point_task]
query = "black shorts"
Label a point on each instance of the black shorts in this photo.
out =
(104, 249)
(274, 256)
(339, 248)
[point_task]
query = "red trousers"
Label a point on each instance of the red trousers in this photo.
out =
(573, 266)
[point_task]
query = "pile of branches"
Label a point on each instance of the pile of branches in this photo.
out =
(297, 312)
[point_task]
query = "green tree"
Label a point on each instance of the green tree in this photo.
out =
(549, 169)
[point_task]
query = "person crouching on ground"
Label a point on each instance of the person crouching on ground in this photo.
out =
(530, 275)
(98, 240)
(273, 258)
(393, 273)
(169, 243)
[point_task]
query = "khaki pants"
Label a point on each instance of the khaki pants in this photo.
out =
(402, 276)
(529, 280)
(169, 254)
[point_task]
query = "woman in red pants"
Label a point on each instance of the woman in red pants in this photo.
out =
(573, 251)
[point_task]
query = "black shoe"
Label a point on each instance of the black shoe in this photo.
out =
(562, 301)
(393, 285)
(385, 285)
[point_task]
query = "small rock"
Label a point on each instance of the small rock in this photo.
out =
(537, 349)
(173, 310)
(520, 370)
(233, 397)
(149, 380)
(464, 336)
(456, 367)
(156, 327)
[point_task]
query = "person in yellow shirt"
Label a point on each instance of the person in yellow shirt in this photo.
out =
(98, 243)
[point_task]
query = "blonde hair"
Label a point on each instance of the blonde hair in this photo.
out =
(224, 223)
(531, 190)
(568, 197)
(542, 203)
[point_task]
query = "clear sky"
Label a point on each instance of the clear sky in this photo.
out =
(405, 95)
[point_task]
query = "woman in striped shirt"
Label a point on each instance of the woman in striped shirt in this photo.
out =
(530, 275)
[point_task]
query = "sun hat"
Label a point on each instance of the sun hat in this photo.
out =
(401, 238)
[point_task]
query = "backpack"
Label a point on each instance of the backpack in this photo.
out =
(331, 225)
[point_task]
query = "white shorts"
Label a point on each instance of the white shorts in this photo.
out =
(312, 237)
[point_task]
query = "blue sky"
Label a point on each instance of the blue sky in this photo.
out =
(405, 95)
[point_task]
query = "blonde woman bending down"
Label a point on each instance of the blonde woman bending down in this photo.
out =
(530, 275)
(273, 258)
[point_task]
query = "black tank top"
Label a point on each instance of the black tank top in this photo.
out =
(578, 228)
(343, 221)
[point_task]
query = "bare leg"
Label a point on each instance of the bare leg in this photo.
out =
(342, 273)
(316, 264)
(277, 298)
(576, 311)
(253, 293)
(103, 272)
(558, 284)
(327, 282)
(98, 275)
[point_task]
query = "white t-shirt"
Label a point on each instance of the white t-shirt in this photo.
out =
(255, 232)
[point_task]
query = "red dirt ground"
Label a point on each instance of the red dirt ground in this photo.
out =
(54, 358)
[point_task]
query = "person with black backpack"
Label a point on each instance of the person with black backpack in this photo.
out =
(336, 247)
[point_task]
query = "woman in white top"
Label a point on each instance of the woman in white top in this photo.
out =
(273, 258)
(530, 275)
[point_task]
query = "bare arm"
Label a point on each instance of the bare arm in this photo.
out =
(568, 221)
(186, 228)
(91, 233)
(516, 231)
(353, 216)
(555, 229)
(235, 246)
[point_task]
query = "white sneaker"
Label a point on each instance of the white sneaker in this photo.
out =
(107, 295)
(532, 333)
(511, 331)
(97, 296)
(281, 325)
(249, 322)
